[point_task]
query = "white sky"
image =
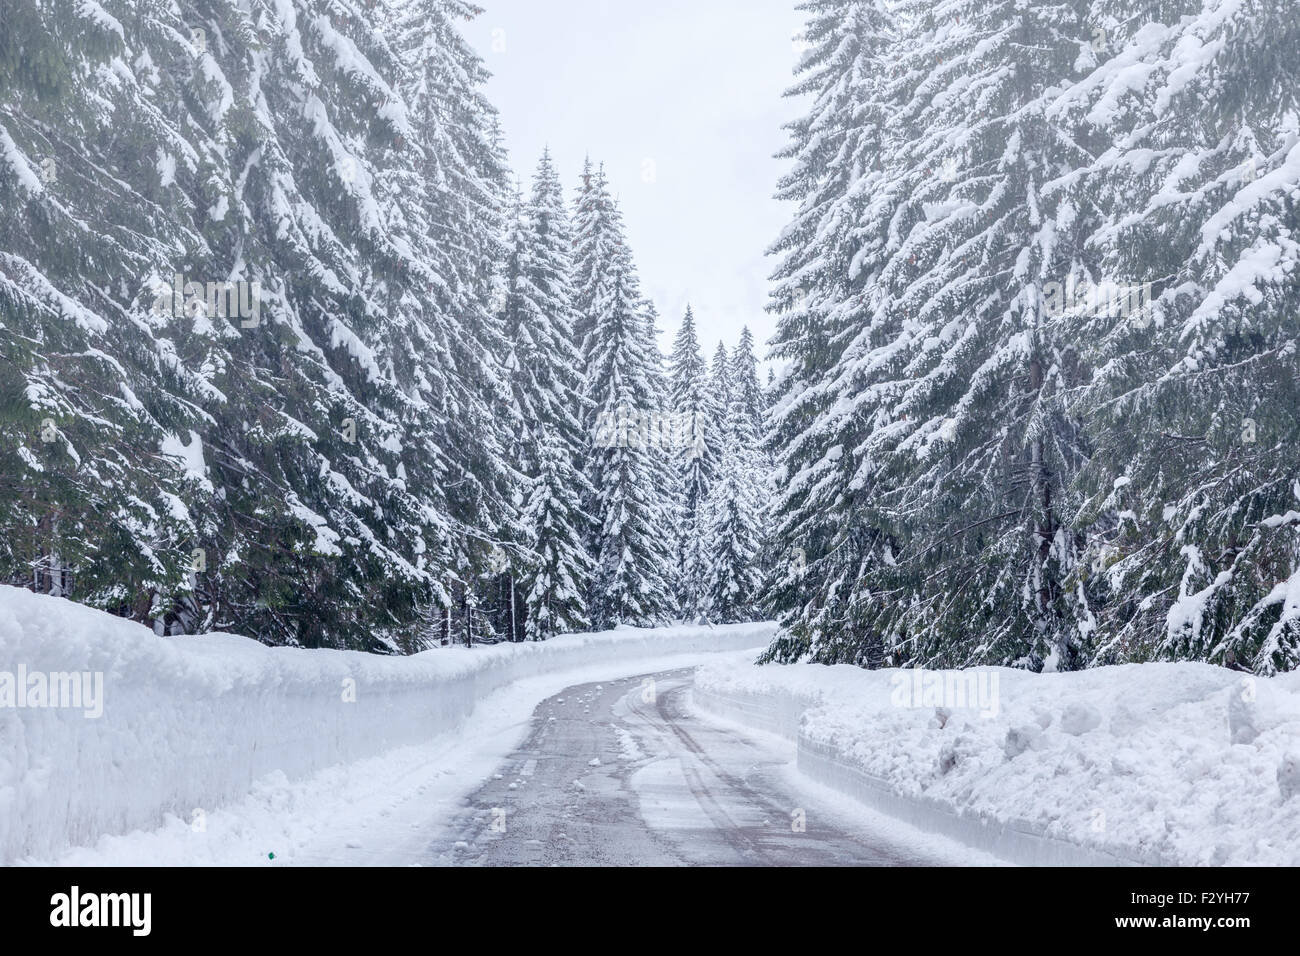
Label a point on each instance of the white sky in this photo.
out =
(685, 93)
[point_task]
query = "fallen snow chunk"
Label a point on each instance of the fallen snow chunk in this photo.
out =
(1080, 717)
(593, 762)
(1244, 720)
(950, 754)
(1288, 775)
(1126, 762)
(1019, 739)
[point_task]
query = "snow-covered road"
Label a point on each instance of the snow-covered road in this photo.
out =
(625, 773)
(604, 764)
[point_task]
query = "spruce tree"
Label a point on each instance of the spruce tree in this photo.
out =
(974, 465)
(631, 582)
(743, 374)
(694, 404)
(460, 179)
(595, 234)
(93, 507)
(924, 430)
(734, 535)
(559, 567)
(545, 366)
(545, 372)
(844, 188)
(316, 472)
(720, 379)
(1190, 494)
(666, 445)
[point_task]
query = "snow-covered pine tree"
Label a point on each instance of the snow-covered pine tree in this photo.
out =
(720, 379)
(665, 444)
(743, 375)
(92, 510)
(461, 181)
(321, 462)
(699, 422)
(734, 535)
(559, 568)
(839, 176)
(929, 475)
(552, 396)
(545, 372)
(594, 235)
(633, 563)
(1193, 486)
(984, 449)
(746, 390)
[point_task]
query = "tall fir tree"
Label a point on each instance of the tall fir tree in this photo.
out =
(546, 380)
(559, 567)
(461, 180)
(666, 445)
(694, 403)
(840, 181)
(1190, 495)
(743, 374)
(734, 509)
(315, 405)
(92, 506)
(960, 443)
(595, 233)
(720, 379)
(633, 562)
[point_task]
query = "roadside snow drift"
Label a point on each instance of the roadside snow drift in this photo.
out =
(194, 722)
(1143, 763)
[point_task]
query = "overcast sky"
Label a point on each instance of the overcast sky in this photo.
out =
(682, 101)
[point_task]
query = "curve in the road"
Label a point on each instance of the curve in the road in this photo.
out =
(624, 773)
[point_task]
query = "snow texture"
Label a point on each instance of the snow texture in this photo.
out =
(199, 722)
(1133, 764)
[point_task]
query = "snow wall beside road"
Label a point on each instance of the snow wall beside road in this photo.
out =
(1150, 764)
(191, 722)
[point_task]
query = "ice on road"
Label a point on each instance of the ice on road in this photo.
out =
(624, 773)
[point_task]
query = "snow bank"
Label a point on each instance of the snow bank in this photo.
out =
(1179, 764)
(193, 722)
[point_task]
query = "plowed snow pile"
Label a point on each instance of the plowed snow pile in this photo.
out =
(1151, 763)
(159, 727)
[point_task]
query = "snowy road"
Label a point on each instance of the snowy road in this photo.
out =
(608, 769)
(624, 773)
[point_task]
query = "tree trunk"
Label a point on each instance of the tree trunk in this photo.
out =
(514, 630)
